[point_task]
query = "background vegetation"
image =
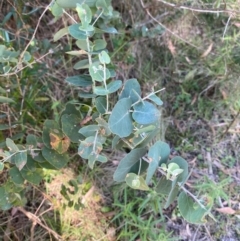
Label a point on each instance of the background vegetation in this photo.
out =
(193, 51)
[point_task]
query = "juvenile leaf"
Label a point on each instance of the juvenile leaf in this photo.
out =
(75, 32)
(105, 131)
(145, 113)
(127, 163)
(89, 130)
(31, 172)
(70, 127)
(191, 211)
(155, 99)
(158, 154)
(84, 13)
(16, 176)
(136, 182)
(82, 64)
(20, 159)
(120, 121)
(99, 44)
(6, 100)
(98, 72)
(86, 95)
(182, 177)
(11, 145)
(93, 158)
(104, 58)
(98, 90)
(101, 104)
(79, 80)
(130, 87)
(54, 158)
(110, 30)
(82, 44)
(114, 86)
(90, 146)
(56, 10)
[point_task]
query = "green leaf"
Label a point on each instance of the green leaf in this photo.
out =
(31, 140)
(114, 86)
(11, 145)
(136, 182)
(54, 158)
(70, 127)
(79, 80)
(89, 130)
(155, 99)
(84, 13)
(82, 44)
(158, 153)
(104, 131)
(99, 44)
(6, 100)
(82, 64)
(130, 88)
(127, 163)
(101, 104)
(191, 211)
(107, 29)
(145, 113)
(16, 176)
(4, 199)
(86, 95)
(31, 172)
(98, 90)
(99, 73)
(182, 177)
(93, 158)
(90, 146)
(104, 58)
(75, 32)
(60, 33)
(120, 121)
(20, 159)
(56, 10)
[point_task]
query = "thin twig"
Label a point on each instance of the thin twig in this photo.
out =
(198, 9)
(35, 219)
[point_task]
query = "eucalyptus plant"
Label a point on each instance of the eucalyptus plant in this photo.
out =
(133, 121)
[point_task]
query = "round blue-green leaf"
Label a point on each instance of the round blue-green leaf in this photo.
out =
(136, 182)
(114, 86)
(99, 44)
(191, 211)
(16, 176)
(101, 104)
(104, 57)
(155, 99)
(73, 3)
(98, 72)
(127, 163)
(145, 113)
(132, 90)
(158, 154)
(98, 90)
(120, 121)
(76, 33)
(79, 80)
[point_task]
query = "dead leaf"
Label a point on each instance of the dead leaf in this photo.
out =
(171, 47)
(226, 210)
(58, 143)
(206, 53)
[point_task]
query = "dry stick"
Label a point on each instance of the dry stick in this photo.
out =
(163, 26)
(36, 220)
(198, 9)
